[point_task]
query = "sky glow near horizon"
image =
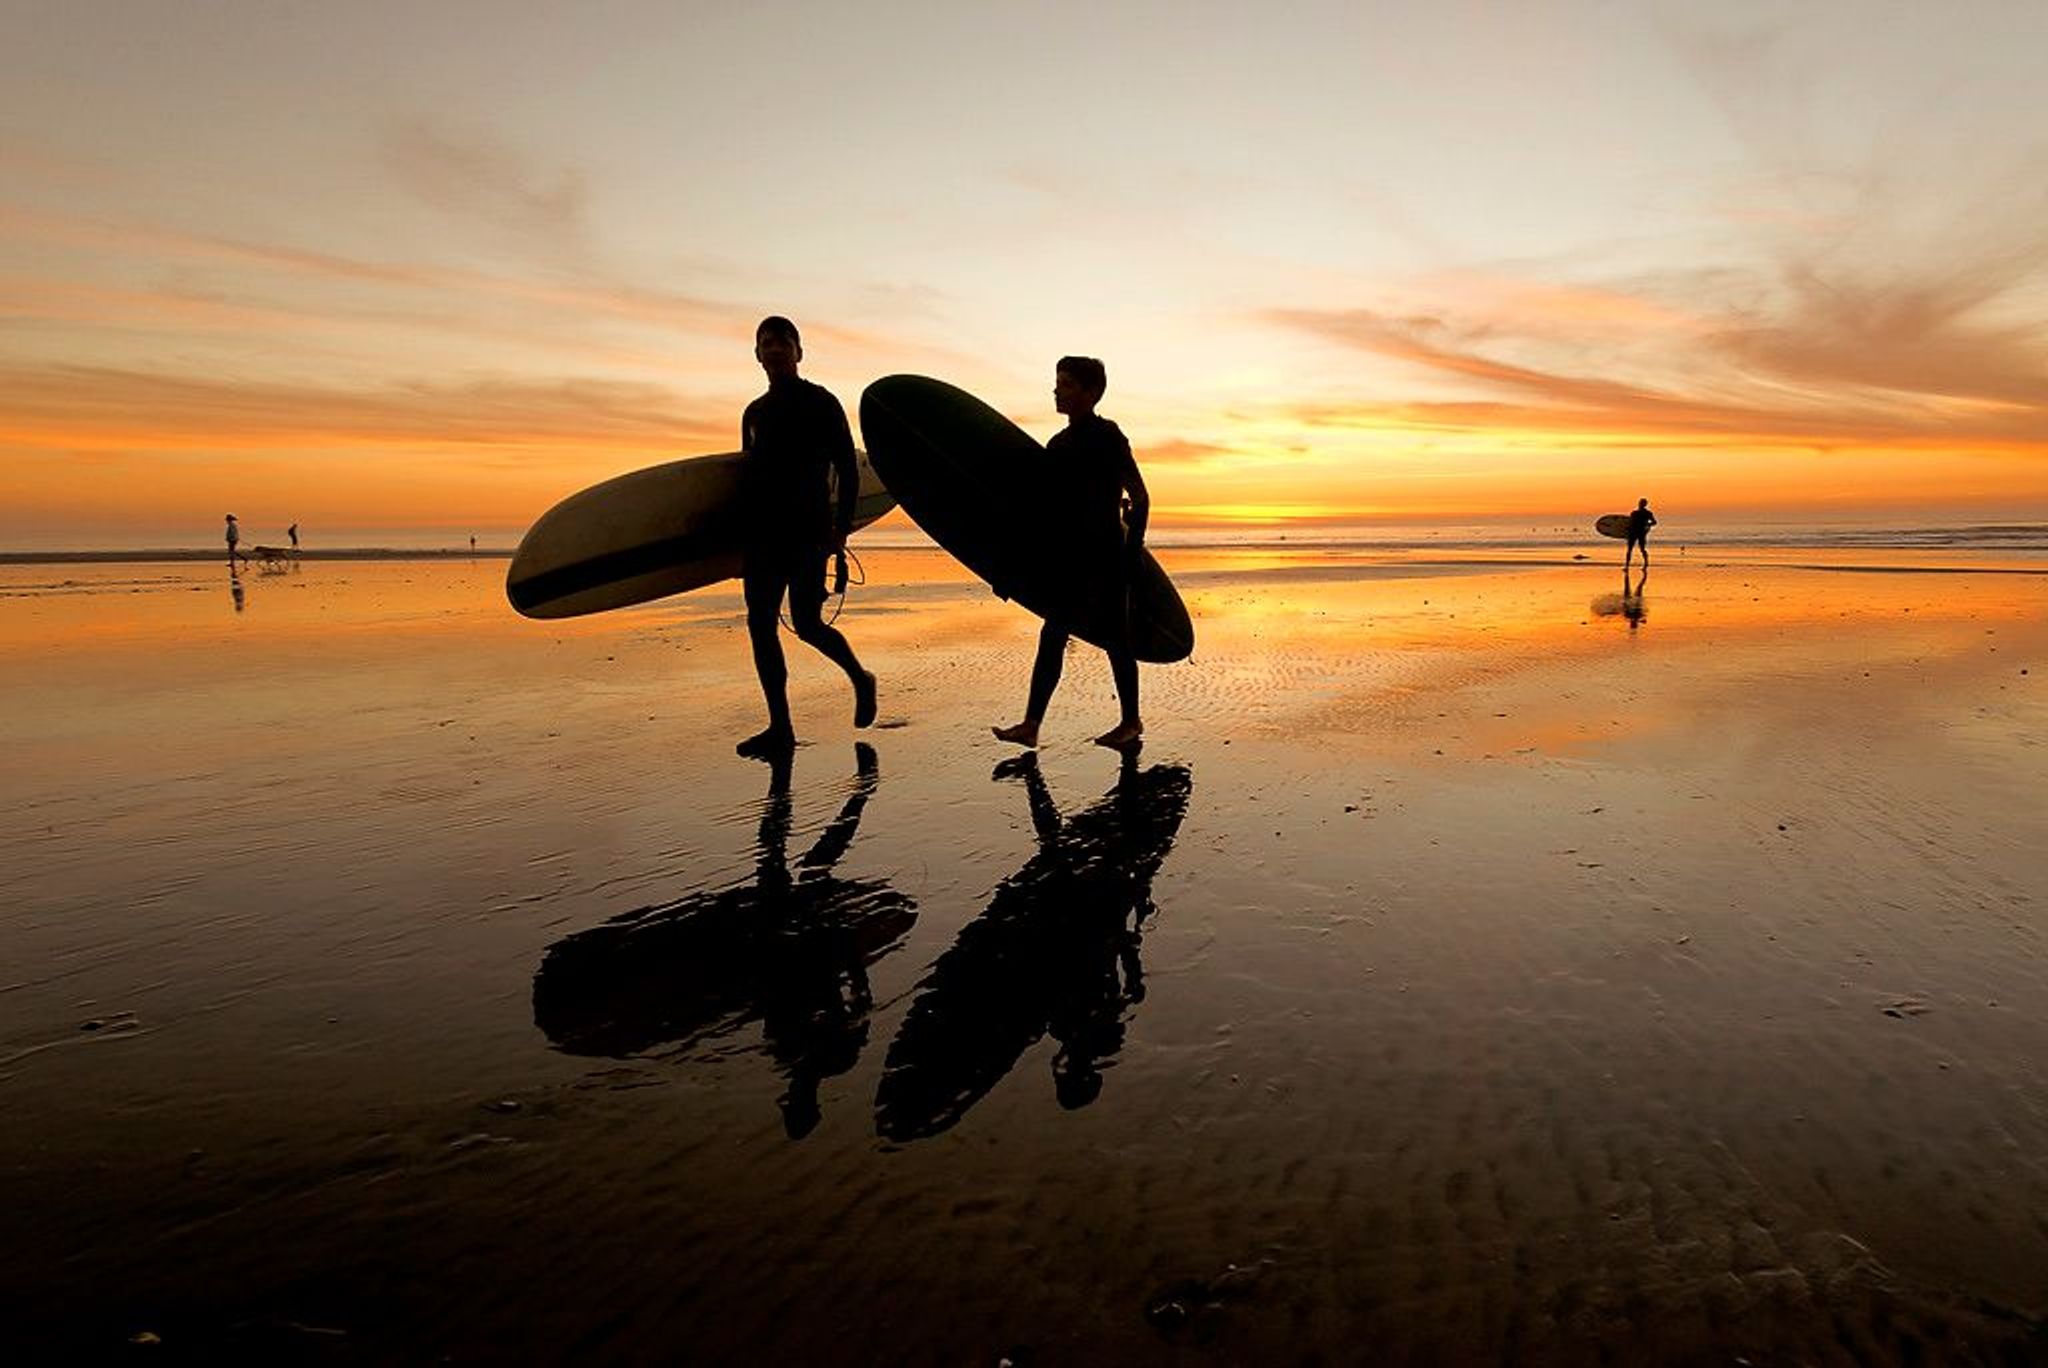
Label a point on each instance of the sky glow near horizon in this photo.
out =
(379, 267)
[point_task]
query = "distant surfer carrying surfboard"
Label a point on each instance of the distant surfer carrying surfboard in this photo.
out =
(790, 439)
(1094, 459)
(1639, 524)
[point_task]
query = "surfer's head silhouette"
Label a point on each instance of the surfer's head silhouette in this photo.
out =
(778, 346)
(1078, 384)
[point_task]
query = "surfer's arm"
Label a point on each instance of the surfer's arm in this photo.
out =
(1141, 502)
(747, 428)
(847, 470)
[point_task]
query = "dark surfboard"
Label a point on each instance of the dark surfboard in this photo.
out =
(975, 482)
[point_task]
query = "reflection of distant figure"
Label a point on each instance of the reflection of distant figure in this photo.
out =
(234, 535)
(293, 533)
(1639, 524)
(235, 586)
(789, 951)
(1054, 953)
(1632, 606)
(1629, 603)
(1092, 456)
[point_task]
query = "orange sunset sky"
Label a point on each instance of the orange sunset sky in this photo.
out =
(417, 271)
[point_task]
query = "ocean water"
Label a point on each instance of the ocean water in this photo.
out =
(897, 532)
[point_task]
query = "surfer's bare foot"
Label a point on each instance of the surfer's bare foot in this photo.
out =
(1122, 736)
(1023, 734)
(767, 744)
(864, 699)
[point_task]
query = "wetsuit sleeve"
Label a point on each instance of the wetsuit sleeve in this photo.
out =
(1134, 485)
(844, 466)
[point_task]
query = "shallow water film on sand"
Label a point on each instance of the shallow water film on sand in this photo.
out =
(1486, 959)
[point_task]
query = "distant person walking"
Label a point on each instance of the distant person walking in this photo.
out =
(234, 535)
(791, 439)
(293, 533)
(472, 543)
(1091, 455)
(1639, 524)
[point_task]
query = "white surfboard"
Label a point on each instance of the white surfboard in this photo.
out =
(663, 530)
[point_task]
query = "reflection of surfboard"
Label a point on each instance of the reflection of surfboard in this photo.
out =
(696, 968)
(1613, 525)
(659, 531)
(972, 479)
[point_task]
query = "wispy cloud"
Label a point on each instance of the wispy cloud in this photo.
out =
(1947, 330)
(1179, 451)
(1825, 354)
(574, 297)
(478, 176)
(276, 285)
(73, 407)
(1847, 287)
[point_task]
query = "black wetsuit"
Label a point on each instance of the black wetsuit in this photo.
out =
(1090, 461)
(793, 438)
(1093, 461)
(1639, 523)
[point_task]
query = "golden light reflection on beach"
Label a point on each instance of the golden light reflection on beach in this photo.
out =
(1301, 601)
(1436, 820)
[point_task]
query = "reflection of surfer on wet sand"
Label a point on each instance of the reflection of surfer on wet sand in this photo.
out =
(789, 950)
(1054, 953)
(1095, 461)
(1629, 603)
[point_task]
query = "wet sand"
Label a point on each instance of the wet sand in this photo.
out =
(1479, 963)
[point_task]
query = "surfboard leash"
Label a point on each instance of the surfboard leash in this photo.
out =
(844, 572)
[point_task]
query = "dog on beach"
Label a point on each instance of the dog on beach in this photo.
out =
(272, 556)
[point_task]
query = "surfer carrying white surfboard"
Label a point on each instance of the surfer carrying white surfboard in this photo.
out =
(792, 438)
(1094, 460)
(1639, 524)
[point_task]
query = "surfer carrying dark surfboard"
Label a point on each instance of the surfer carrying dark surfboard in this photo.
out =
(1093, 460)
(792, 438)
(1639, 524)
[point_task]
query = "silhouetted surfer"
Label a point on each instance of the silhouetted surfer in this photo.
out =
(792, 437)
(1092, 457)
(1639, 524)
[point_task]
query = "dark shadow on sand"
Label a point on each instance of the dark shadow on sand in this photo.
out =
(1054, 953)
(788, 950)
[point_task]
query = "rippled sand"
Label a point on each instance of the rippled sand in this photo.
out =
(1481, 962)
